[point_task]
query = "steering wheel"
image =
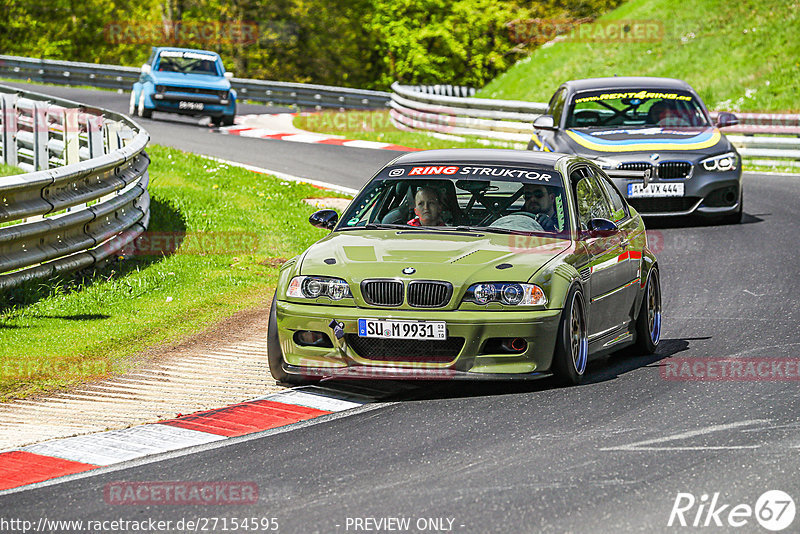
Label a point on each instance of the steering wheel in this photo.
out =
(520, 220)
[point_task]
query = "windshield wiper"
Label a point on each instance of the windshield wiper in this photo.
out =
(495, 230)
(383, 226)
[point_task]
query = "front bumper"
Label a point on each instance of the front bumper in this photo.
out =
(474, 360)
(191, 104)
(710, 194)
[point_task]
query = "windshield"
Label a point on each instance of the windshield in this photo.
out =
(635, 109)
(187, 63)
(492, 198)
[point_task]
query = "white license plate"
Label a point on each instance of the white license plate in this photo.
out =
(389, 329)
(660, 189)
(191, 105)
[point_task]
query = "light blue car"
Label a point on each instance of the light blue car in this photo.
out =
(184, 81)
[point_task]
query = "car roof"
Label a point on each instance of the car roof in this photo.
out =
(627, 82)
(481, 155)
(160, 49)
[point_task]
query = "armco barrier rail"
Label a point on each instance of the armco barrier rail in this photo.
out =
(437, 110)
(85, 195)
(123, 78)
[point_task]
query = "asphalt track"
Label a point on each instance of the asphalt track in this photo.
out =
(608, 456)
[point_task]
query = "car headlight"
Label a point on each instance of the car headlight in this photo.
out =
(724, 162)
(223, 94)
(311, 287)
(510, 293)
(160, 88)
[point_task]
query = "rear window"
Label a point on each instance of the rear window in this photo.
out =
(493, 198)
(637, 108)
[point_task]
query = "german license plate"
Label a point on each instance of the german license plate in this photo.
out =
(389, 329)
(197, 106)
(660, 189)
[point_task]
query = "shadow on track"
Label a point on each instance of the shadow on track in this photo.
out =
(665, 223)
(601, 370)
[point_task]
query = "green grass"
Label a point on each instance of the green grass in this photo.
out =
(9, 170)
(375, 126)
(740, 56)
(58, 332)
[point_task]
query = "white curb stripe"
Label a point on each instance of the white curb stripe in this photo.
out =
(305, 138)
(106, 448)
(365, 144)
(312, 400)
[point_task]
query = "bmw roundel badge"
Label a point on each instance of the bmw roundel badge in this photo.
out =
(409, 270)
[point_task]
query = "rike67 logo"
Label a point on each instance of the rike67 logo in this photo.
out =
(774, 510)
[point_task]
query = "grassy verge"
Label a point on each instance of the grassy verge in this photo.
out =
(9, 170)
(236, 226)
(375, 126)
(740, 56)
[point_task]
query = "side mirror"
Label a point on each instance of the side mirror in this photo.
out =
(544, 122)
(228, 75)
(726, 119)
(324, 219)
(600, 227)
(146, 69)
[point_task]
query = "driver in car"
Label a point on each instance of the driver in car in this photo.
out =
(428, 208)
(539, 200)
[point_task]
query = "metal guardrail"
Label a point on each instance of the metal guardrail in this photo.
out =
(437, 112)
(84, 196)
(123, 78)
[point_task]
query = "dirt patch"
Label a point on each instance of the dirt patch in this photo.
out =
(225, 364)
(273, 262)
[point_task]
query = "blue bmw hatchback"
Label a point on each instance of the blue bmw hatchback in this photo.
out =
(184, 81)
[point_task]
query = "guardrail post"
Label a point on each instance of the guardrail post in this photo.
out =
(9, 130)
(41, 154)
(112, 135)
(71, 137)
(94, 134)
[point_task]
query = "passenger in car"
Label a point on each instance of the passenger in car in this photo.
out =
(428, 208)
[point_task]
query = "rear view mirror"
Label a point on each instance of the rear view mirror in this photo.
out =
(725, 119)
(324, 219)
(544, 122)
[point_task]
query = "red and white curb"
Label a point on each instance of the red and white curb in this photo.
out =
(52, 459)
(278, 126)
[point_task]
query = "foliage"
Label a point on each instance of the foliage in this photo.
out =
(358, 43)
(740, 56)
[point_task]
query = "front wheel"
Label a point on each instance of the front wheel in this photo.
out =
(572, 346)
(736, 217)
(143, 111)
(648, 323)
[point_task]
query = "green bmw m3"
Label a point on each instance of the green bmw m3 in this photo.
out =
(469, 264)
